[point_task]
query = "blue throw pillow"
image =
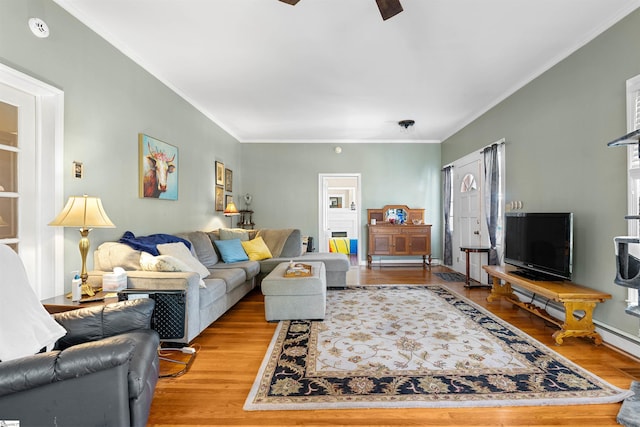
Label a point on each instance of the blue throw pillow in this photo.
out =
(231, 250)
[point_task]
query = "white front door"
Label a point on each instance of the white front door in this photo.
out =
(467, 193)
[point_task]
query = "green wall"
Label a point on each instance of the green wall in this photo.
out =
(109, 100)
(556, 129)
(283, 180)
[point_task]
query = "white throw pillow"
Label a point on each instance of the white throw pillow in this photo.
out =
(181, 252)
(149, 262)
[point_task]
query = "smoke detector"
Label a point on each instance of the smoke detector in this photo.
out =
(39, 28)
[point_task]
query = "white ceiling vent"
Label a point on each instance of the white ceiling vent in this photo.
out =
(39, 28)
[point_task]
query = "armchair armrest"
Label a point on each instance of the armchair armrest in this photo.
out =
(34, 371)
(94, 323)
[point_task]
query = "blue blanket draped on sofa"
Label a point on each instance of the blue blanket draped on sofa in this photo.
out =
(148, 243)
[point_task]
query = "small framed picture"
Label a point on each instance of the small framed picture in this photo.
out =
(228, 180)
(78, 170)
(227, 199)
(219, 173)
(219, 198)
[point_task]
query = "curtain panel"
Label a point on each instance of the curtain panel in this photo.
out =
(447, 192)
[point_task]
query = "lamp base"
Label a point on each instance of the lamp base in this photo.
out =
(87, 290)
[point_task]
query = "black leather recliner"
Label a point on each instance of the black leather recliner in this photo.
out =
(102, 372)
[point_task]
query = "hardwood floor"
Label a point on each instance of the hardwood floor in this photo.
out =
(230, 352)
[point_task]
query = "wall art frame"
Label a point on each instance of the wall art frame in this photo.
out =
(219, 198)
(157, 168)
(228, 180)
(219, 173)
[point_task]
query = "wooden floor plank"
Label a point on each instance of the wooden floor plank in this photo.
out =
(230, 352)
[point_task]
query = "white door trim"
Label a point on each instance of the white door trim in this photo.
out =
(46, 199)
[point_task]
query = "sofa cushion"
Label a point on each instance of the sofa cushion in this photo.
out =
(251, 268)
(203, 247)
(332, 261)
(216, 289)
(110, 255)
(231, 250)
(286, 242)
(233, 277)
(234, 233)
(180, 251)
(293, 246)
(256, 249)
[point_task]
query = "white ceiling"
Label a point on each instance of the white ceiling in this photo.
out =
(334, 71)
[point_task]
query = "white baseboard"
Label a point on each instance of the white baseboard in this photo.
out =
(400, 261)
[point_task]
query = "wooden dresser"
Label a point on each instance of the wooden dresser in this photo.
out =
(398, 231)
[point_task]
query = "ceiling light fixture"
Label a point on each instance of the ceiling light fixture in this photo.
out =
(39, 28)
(387, 8)
(406, 123)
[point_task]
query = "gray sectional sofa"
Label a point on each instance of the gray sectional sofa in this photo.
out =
(211, 293)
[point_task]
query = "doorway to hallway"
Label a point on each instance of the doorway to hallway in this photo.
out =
(339, 214)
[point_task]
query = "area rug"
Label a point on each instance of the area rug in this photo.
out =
(451, 277)
(414, 346)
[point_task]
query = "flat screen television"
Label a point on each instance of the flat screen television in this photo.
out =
(540, 244)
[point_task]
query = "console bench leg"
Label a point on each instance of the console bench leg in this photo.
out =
(574, 327)
(499, 290)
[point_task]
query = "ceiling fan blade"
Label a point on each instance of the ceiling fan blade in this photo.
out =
(388, 8)
(291, 2)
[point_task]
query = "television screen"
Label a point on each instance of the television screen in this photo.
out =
(541, 244)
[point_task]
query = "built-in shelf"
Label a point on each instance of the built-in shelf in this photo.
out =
(628, 139)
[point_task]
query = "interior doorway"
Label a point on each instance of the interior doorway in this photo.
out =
(339, 214)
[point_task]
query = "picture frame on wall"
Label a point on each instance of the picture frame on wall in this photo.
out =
(228, 180)
(219, 173)
(219, 198)
(158, 168)
(228, 199)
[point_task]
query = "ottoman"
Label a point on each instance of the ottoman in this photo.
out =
(295, 298)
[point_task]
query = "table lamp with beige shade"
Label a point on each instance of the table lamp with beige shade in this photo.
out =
(85, 212)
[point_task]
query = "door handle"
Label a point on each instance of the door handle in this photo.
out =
(476, 232)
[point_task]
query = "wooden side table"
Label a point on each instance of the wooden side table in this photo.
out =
(61, 303)
(474, 249)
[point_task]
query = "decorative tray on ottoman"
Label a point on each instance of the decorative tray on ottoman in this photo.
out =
(298, 270)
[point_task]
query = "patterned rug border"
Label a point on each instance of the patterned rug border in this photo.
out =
(447, 400)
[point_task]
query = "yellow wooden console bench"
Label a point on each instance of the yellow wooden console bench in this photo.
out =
(573, 297)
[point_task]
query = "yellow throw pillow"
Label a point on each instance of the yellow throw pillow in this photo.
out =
(256, 249)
